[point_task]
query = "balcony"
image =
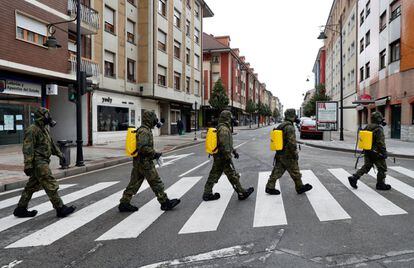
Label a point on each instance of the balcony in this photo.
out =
(87, 65)
(89, 17)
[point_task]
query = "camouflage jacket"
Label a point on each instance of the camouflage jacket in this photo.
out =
(224, 141)
(378, 140)
(289, 140)
(145, 143)
(38, 146)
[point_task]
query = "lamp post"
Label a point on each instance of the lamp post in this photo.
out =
(323, 36)
(195, 120)
(51, 42)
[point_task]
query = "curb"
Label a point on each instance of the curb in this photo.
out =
(351, 150)
(93, 167)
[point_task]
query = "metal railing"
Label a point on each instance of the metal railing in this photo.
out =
(88, 15)
(87, 65)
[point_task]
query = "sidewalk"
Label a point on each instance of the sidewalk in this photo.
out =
(395, 148)
(95, 157)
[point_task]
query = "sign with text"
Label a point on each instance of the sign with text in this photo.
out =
(16, 87)
(327, 115)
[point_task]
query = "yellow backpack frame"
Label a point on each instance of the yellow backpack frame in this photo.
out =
(276, 140)
(131, 142)
(211, 141)
(365, 140)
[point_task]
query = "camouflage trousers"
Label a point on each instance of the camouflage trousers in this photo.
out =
(144, 170)
(369, 162)
(283, 164)
(41, 178)
(221, 165)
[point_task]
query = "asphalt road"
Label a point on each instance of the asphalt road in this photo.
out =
(330, 226)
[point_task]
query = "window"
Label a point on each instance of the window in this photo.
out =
(368, 9)
(215, 77)
(188, 4)
(132, 2)
(177, 18)
(30, 30)
(109, 64)
(395, 51)
(196, 87)
(131, 31)
(395, 10)
(131, 70)
(109, 20)
(352, 76)
(112, 118)
(162, 41)
(367, 70)
(382, 56)
(361, 17)
(361, 45)
(361, 74)
(215, 59)
(383, 21)
(196, 61)
(187, 85)
(197, 11)
(177, 81)
(196, 36)
(162, 7)
(177, 49)
(367, 38)
(162, 75)
(187, 56)
(175, 115)
(187, 27)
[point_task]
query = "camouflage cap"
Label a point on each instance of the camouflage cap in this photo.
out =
(376, 117)
(225, 117)
(148, 118)
(290, 114)
(40, 113)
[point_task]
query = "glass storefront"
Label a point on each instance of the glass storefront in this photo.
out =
(113, 118)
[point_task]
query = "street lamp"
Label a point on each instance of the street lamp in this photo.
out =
(51, 42)
(195, 120)
(322, 36)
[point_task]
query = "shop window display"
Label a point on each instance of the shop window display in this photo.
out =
(112, 118)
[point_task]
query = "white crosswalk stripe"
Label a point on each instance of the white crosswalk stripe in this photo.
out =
(404, 171)
(324, 204)
(208, 215)
(373, 199)
(398, 185)
(11, 220)
(14, 200)
(136, 223)
(269, 210)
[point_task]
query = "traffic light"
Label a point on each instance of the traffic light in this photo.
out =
(86, 85)
(72, 93)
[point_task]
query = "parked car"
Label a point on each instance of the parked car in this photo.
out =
(308, 129)
(301, 121)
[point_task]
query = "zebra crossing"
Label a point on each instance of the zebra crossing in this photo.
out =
(205, 216)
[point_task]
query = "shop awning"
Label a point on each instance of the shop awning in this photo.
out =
(382, 101)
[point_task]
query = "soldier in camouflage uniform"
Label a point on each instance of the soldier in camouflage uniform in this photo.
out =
(144, 167)
(376, 156)
(287, 159)
(223, 162)
(38, 146)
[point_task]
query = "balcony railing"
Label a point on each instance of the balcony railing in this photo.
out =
(88, 15)
(87, 65)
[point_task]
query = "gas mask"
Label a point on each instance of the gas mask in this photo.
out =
(159, 123)
(49, 121)
(234, 122)
(383, 123)
(297, 120)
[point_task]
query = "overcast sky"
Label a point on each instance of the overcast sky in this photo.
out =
(278, 39)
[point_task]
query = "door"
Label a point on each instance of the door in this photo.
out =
(396, 122)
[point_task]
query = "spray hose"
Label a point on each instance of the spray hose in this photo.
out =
(356, 150)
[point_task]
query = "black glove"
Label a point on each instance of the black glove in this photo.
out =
(236, 154)
(157, 155)
(384, 155)
(28, 171)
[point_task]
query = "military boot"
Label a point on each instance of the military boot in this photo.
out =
(245, 195)
(64, 211)
(381, 186)
(304, 188)
(211, 197)
(353, 181)
(127, 207)
(272, 191)
(21, 212)
(170, 204)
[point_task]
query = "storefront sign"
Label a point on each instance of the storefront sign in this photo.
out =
(22, 88)
(51, 89)
(107, 100)
(327, 116)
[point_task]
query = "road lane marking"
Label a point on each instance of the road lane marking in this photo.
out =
(398, 185)
(14, 200)
(136, 223)
(195, 168)
(240, 145)
(404, 171)
(208, 215)
(323, 203)
(269, 210)
(11, 191)
(374, 200)
(11, 220)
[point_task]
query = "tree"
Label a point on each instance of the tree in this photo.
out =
(251, 108)
(219, 100)
(276, 113)
(320, 95)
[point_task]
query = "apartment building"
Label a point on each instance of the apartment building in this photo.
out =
(386, 64)
(31, 75)
(345, 13)
(319, 67)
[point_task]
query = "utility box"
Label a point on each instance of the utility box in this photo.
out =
(64, 146)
